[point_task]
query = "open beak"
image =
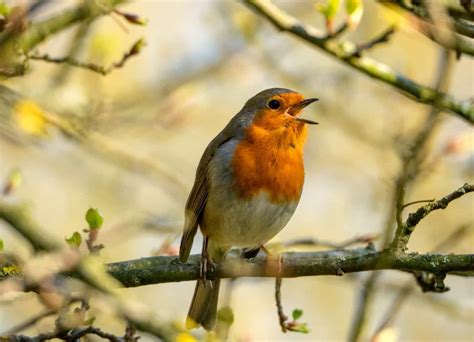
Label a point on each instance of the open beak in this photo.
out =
(301, 105)
(310, 122)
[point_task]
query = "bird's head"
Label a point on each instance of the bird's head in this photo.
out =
(277, 108)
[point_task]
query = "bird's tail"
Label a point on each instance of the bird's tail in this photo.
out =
(203, 310)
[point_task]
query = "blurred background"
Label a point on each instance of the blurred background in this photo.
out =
(144, 126)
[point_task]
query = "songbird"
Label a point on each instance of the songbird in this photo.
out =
(247, 186)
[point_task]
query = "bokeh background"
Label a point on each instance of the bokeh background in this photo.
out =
(149, 122)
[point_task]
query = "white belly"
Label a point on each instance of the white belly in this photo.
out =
(244, 223)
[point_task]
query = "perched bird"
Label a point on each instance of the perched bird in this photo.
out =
(248, 184)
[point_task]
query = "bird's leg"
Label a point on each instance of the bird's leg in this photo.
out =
(205, 262)
(204, 258)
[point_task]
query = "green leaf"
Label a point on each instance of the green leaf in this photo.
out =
(354, 9)
(297, 313)
(330, 9)
(89, 321)
(74, 240)
(94, 219)
(225, 315)
(1, 245)
(353, 5)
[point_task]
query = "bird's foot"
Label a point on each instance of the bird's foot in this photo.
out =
(206, 264)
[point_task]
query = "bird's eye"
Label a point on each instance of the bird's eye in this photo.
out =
(274, 104)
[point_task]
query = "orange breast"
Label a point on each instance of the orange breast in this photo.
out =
(271, 161)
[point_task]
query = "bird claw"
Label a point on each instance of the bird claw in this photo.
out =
(206, 263)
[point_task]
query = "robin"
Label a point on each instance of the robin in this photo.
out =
(248, 184)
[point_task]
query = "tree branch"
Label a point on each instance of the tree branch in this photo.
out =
(40, 31)
(89, 269)
(380, 39)
(17, 217)
(411, 159)
(135, 49)
(97, 143)
(462, 26)
(404, 231)
(407, 289)
(70, 335)
(165, 269)
(15, 44)
(370, 67)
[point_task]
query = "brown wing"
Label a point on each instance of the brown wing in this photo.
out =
(198, 197)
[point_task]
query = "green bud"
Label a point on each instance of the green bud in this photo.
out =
(137, 47)
(353, 5)
(330, 9)
(89, 321)
(354, 9)
(134, 19)
(297, 313)
(94, 219)
(74, 240)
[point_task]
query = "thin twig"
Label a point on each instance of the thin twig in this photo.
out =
(417, 202)
(105, 147)
(460, 25)
(404, 233)
(134, 50)
(417, 216)
(85, 268)
(382, 38)
(340, 30)
(71, 335)
(360, 239)
(30, 322)
(413, 157)
(365, 297)
(285, 22)
(282, 318)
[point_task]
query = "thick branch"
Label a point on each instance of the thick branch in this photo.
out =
(164, 269)
(344, 52)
